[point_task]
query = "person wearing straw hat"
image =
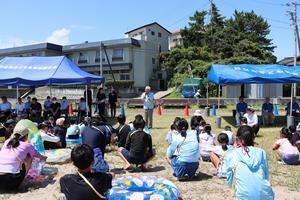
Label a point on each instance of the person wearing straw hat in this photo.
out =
(16, 157)
(252, 119)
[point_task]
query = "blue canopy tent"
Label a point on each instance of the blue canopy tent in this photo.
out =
(41, 71)
(250, 73)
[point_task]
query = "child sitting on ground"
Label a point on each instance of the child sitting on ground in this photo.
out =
(218, 154)
(207, 142)
(288, 153)
(227, 130)
(86, 184)
(172, 134)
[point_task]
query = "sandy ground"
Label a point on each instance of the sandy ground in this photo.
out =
(285, 179)
(206, 186)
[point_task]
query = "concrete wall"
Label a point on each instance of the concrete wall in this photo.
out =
(254, 91)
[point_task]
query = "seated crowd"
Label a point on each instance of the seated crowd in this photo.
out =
(235, 157)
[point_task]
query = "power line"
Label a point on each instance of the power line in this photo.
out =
(187, 15)
(269, 3)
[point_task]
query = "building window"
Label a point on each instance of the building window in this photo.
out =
(159, 75)
(159, 34)
(175, 40)
(117, 55)
(153, 61)
(82, 59)
(152, 33)
(124, 77)
(141, 33)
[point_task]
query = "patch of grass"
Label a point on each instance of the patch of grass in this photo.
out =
(174, 95)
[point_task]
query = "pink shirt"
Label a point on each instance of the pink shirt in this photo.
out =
(8, 160)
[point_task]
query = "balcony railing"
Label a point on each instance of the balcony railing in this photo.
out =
(117, 58)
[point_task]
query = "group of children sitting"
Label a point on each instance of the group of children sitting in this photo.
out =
(235, 158)
(244, 166)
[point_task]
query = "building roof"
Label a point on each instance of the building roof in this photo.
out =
(289, 61)
(33, 47)
(108, 43)
(154, 23)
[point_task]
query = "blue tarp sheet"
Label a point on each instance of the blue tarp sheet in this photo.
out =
(249, 73)
(40, 71)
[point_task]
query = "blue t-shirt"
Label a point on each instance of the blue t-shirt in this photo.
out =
(187, 148)
(47, 105)
(5, 106)
(148, 101)
(64, 104)
(241, 107)
(27, 105)
(295, 106)
(267, 107)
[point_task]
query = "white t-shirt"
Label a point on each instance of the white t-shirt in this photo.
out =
(251, 119)
(207, 143)
(49, 137)
(286, 148)
(20, 108)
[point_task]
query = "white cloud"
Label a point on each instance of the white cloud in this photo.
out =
(60, 36)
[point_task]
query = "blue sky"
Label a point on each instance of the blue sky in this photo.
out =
(76, 21)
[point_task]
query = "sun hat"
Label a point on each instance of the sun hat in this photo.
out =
(250, 108)
(21, 130)
(60, 121)
(197, 113)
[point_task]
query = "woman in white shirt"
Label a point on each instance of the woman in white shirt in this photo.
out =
(252, 119)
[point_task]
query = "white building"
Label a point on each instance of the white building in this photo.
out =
(135, 57)
(175, 39)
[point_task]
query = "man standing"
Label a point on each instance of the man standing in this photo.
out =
(64, 107)
(27, 106)
(55, 108)
(148, 98)
(113, 99)
(267, 112)
(240, 110)
(89, 100)
(101, 103)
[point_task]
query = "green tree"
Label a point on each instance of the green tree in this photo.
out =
(243, 38)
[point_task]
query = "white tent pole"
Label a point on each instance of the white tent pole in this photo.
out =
(291, 104)
(207, 94)
(50, 91)
(86, 98)
(219, 94)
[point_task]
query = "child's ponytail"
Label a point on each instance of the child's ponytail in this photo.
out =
(223, 140)
(14, 141)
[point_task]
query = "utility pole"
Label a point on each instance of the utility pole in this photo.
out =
(293, 16)
(101, 66)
